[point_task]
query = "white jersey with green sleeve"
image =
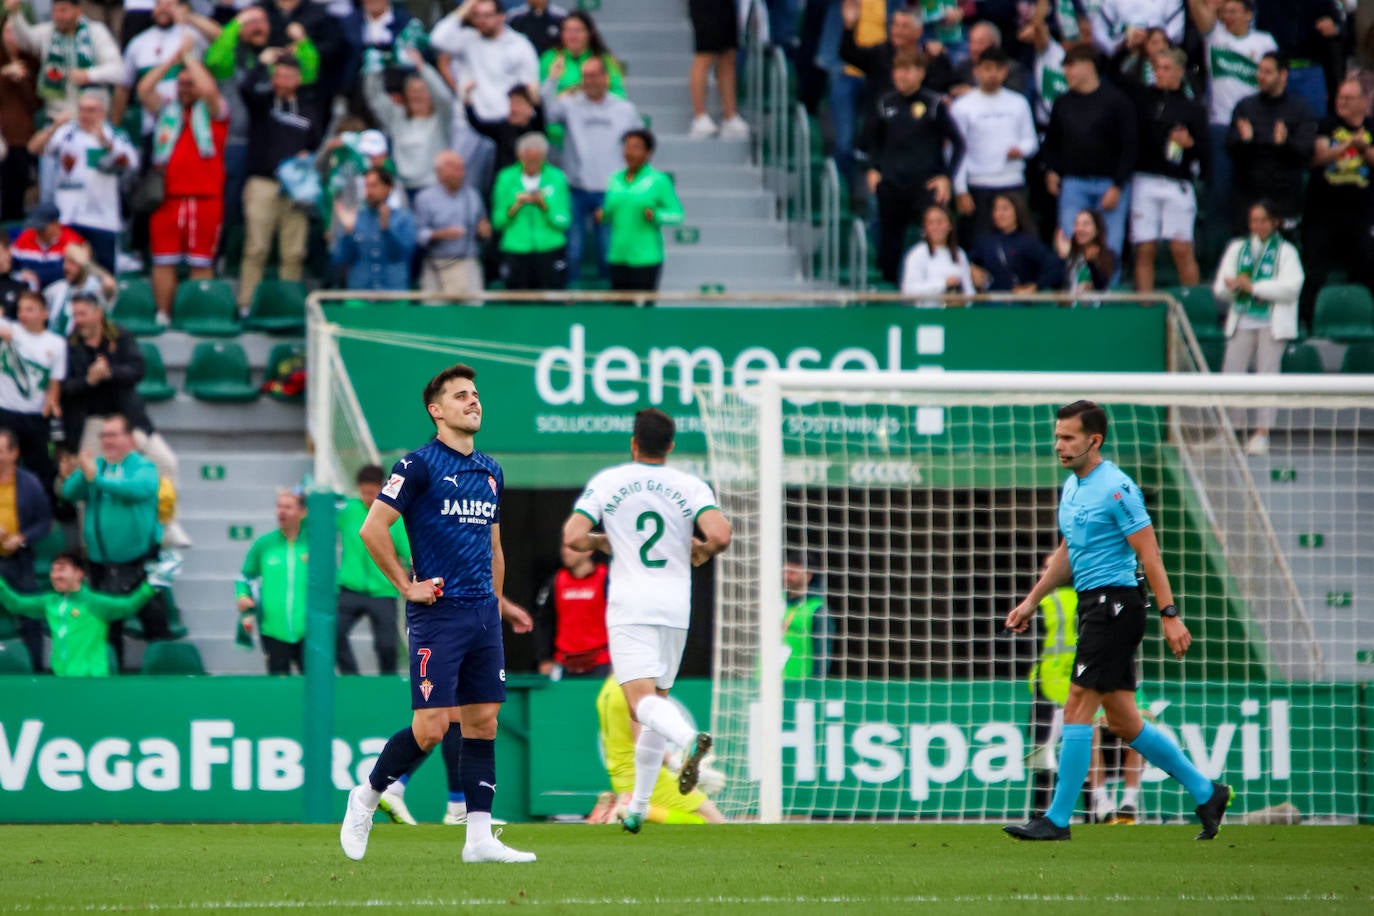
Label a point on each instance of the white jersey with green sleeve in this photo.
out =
(649, 512)
(1232, 64)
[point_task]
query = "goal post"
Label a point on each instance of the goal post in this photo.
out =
(923, 503)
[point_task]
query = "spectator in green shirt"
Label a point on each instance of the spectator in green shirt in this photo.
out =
(579, 41)
(77, 617)
(532, 208)
(363, 589)
(639, 199)
(276, 569)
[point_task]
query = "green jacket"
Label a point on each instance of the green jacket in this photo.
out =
(1059, 642)
(281, 567)
(357, 572)
(636, 241)
(532, 229)
(79, 623)
(225, 57)
(121, 509)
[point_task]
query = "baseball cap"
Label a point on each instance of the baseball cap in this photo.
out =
(46, 212)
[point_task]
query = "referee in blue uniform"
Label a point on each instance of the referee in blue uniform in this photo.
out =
(1106, 531)
(449, 495)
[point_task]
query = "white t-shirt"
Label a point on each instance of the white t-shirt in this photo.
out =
(1232, 64)
(86, 194)
(28, 362)
(493, 65)
(649, 512)
(149, 49)
(1112, 18)
(924, 273)
(992, 125)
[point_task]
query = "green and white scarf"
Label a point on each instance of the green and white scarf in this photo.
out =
(65, 54)
(1068, 19)
(167, 130)
(1264, 267)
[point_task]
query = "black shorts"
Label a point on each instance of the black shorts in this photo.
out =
(1111, 624)
(715, 28)
(456, 654)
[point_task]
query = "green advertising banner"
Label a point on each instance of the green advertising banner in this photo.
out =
(230, 749)
(566, 381)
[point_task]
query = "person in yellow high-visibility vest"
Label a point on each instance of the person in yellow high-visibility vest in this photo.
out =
(1049, 684)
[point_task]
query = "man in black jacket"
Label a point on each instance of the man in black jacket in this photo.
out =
(1090, 148)
(1271, 140)
(284, 121)
(1172, 154)
(903, 149)
(324, 31)
(904, 39)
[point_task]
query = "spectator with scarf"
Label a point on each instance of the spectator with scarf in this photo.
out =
(73, 53)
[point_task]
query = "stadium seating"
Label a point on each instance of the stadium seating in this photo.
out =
(135, 309)
(1201, 310)
(154, 388)
(274, 386)
(1359, 359)
(172, 658)
(278, 308)
(1344, 313)
(206, 308)
(1301, 357)
(14, 658)
(219, 372)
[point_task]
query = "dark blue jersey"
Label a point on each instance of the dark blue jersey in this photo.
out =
(449, 502)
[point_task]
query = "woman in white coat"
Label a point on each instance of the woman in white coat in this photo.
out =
(936, 265)
(1261, 277)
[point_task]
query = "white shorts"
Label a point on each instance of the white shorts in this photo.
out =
(1162, 208)
(640, 650)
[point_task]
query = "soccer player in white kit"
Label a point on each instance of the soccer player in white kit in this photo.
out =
(650, 513)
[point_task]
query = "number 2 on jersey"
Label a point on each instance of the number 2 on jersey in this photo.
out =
(655, 521)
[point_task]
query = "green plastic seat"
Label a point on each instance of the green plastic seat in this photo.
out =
(1358, 359)
(278, 308)
(154, 388)
(219, 372)
(135, 309)
(282, 361)
(1201, 309)
(172, 658)
(1344, 312)
(1301, 357)
(14, 657)
(1214, 351)
(206, 308)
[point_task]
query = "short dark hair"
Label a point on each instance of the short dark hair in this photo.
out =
(7, 435)
(370, 473)
(128, 427)
(1089, 413)
(435, 386)
(73, 557)
(522, 92)
(654, 432)
(33, 295)
(1278, 57)
(916, 59)
(993, 55)
(1267, 205)
(1085, 52)
(89, 298)
(1248, 4)
(382, 175)
(645, 136)
(288, 60)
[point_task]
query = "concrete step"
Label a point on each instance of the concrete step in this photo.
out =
(666, 91)
(241, 467)
(723, 265)
(609, 12)
(678, 150)
(635, 41)
(714, 177)
(210, 528)
(729, 205)
(185, 414)
(685, 280)
(676, 62)
(718, 233)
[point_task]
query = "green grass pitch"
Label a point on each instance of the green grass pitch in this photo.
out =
(793, 869)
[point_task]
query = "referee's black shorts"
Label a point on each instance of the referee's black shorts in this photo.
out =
(714, 26)
(1111, 624)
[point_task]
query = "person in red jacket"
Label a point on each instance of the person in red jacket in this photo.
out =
(570, 618)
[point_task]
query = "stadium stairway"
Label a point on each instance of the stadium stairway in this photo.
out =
(738, 243)
(1317, 503)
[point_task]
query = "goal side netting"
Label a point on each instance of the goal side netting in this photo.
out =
(878, 685)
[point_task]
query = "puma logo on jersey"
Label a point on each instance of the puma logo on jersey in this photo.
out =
(452, 478)
(1079, 669)
(405, 463)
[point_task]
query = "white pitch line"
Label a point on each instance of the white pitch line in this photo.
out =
(232, 905)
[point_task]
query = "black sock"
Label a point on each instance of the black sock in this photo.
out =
(479, 773)
(401, 754)
(453, 761)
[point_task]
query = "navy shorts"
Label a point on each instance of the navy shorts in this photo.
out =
(456, 654)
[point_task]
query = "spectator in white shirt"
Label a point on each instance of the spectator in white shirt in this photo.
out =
(88, 157)
(31, 387)
(163, 40)
(79, 275)
(489, 55)
(936, 265)
(73, 53)
(999, 136)
(1113, 20)
(420, 127)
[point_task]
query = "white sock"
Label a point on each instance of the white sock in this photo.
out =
(1130, 797)
(660, 715)
(457, 808)
(397, 789)
(369, 796)
(1102, 802)
(649, 748)
(479, 828)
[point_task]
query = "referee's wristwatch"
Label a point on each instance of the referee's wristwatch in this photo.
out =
(1168, 610)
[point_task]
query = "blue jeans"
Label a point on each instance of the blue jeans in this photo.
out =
(846, 92)
(584, 204)
(1309, 84)
(104, 245)
(235, 174)
(1076, 194)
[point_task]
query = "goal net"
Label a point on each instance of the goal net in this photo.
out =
(913, 511)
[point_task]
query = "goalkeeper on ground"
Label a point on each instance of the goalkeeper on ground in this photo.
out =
(666, 805)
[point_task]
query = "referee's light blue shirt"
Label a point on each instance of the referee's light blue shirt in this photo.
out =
(1096, 515)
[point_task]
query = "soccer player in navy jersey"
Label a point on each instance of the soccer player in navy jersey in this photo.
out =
(1106, 531)
(449, 495)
